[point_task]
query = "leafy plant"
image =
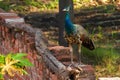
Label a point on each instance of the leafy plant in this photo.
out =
(13, 63)
(109, 8)
(4, 5)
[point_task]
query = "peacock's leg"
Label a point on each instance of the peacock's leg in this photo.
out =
(72, 57)
(79, 54)
(74, 52)
(71, 54)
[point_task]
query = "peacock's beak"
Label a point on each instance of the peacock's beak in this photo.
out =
(64, 9)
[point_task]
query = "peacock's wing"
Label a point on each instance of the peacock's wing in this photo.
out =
(80, 30)
(84, 37)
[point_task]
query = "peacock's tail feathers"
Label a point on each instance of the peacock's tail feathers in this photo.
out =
(88, 43)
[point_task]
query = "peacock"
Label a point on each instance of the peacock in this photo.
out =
(76, 36)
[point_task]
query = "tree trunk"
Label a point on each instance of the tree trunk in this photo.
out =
(61, 17)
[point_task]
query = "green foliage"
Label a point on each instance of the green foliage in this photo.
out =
(4, 5)
(28, 2)
(52, 5)
(100, 55)
(1, 77)
(25, 6)
(33, 3)
(81, 1)
(19, 8)
(13, 63)
(2, 59)
(22, 61)
(110, 8)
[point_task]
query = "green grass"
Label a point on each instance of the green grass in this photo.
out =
(100, 55)
(104, 60)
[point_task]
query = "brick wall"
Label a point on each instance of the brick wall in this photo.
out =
(17, 36)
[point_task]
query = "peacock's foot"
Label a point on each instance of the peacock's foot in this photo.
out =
(75, 69)
(79, 67)
(76, 66)
(71, 64)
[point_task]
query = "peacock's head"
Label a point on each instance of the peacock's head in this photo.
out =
(67, 9)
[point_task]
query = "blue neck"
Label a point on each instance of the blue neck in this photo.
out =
(69, 27)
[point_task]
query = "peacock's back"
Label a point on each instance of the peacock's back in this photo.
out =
(84, 37)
